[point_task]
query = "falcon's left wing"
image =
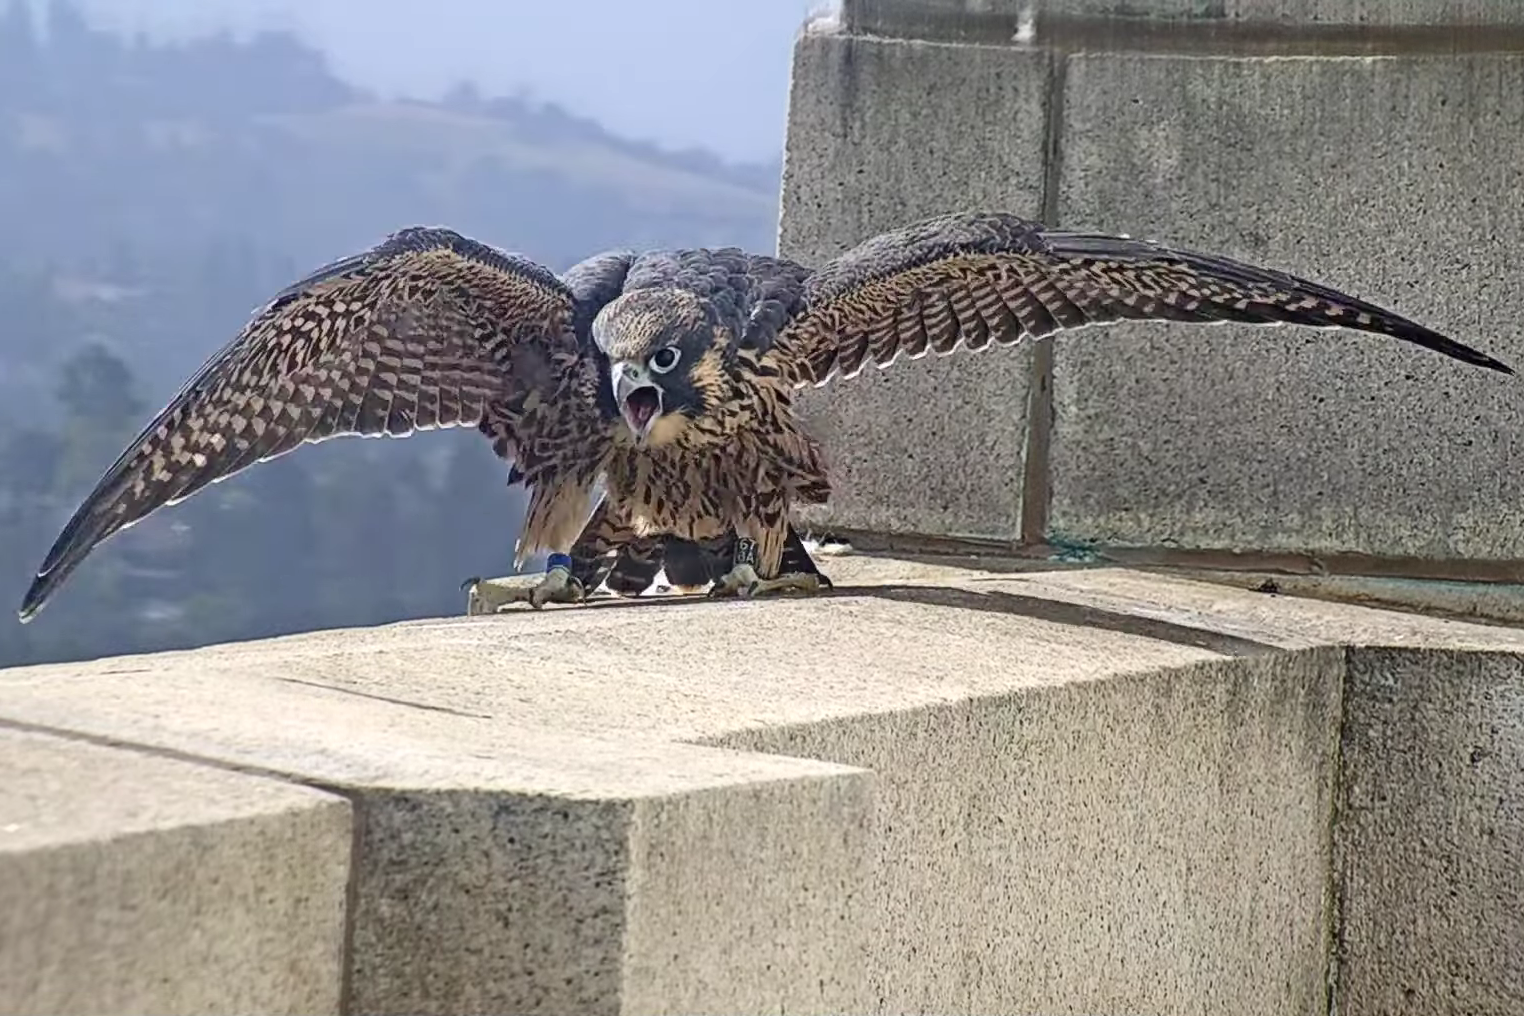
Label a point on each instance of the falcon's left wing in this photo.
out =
(425, 330)
(970, 279)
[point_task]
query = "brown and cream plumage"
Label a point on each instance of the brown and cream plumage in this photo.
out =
(666, 376)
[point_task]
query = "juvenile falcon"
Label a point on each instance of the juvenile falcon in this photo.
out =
(667, 376)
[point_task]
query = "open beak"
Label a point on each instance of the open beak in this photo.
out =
(638, 398)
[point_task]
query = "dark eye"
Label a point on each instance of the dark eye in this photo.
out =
(664, 359)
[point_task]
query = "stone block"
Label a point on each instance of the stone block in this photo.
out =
(1285, 621)
(883, 133)
(536, 838)
(952, 789)
(1299, 13)
(997, 20)
(1149, 844)
(1387, 178)
(1434, 13)
(131, 883)
(616, 899)
(514, 869)
(1430, 842)
(752, 898)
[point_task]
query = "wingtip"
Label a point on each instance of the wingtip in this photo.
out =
(35, 599)
(1481, 359)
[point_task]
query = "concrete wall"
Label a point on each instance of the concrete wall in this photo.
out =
(958, 791)
(1119, 846)
(1383, 157)
(1000, 18)
(1430, 852)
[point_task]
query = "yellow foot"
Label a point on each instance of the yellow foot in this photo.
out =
(793, 582)
(743, 581)
(734, 582)
(493, 596)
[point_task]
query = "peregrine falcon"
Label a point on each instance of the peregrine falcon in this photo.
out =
(666, 377)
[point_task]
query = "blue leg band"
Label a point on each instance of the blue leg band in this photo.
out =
(558, 561)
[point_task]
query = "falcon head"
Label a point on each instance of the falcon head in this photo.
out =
(663, 360)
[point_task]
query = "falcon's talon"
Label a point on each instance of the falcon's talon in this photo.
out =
(496, 596)
(792, 582)
(735, 582)
(744, 582)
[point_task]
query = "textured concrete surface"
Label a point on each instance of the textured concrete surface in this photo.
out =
(1485, 601)
(1284, 622)
(130, 883)
(751, 899)
(501, 867)
(1298, 12)
(1225, 438)
(871, 126)
(1431, 834)
(946, 788)
(1363, 12)
(908, 16)
(1296, 439)
(1149, 844)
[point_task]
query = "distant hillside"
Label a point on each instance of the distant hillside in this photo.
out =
(310, 182)
(101, 138)
(121, 159)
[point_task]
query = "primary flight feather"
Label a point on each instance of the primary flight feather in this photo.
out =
(665, 376)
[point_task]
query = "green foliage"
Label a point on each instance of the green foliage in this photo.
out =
(153, 197)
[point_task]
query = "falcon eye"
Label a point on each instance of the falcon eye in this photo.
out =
(664, 359)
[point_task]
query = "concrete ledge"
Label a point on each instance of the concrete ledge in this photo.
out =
(506, 867)
(950, 787)
(1104, 846)
(1431, 825)
(130, 883)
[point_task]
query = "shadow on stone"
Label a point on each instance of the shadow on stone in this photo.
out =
(1074, 614)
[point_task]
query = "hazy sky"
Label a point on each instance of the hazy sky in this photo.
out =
(680, 72)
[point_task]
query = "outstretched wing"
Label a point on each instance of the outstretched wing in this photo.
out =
(418, 333)
(973, 279)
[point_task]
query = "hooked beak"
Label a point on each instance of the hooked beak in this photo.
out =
(638, 398)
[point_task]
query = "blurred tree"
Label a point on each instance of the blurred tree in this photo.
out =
(101, 414)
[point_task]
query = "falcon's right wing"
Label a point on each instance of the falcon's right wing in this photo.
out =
(420, 332)
(970, 279)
